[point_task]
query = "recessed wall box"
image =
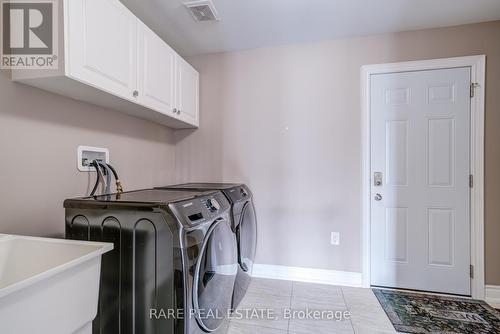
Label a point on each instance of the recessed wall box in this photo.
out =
(87, 154)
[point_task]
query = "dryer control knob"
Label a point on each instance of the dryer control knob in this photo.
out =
(213, 205)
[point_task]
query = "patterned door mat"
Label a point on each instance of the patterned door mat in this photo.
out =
(422, 313)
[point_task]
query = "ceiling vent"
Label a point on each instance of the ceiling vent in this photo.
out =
(202, 10)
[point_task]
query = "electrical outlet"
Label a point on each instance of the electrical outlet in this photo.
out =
(335, 238)
(87, 154)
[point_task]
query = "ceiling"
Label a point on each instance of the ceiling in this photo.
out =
(247, 24)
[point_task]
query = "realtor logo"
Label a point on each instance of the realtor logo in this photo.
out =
(29, 35)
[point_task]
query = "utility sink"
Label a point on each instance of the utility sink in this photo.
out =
(48, 286)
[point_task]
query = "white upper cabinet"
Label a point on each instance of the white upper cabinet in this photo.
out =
(187, 92)
(108, 57)
(156, 74)
(102, 45)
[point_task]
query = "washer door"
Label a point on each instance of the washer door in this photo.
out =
(215, 275)
(246, 233)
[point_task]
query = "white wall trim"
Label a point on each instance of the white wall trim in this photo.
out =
(309, 275)
(478, 67)
(492, 295)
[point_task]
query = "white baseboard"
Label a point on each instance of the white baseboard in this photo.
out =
(492, 295)
(334, 277)
(309, 275)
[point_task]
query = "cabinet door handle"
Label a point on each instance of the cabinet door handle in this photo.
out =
(178, 111)
(174, 110)
(135, 93)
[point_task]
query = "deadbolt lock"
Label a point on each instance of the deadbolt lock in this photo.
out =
(378, 179)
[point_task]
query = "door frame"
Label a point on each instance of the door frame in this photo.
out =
(478, 67)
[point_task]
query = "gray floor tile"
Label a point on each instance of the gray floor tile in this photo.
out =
(334, 303)
(318, 292)
(263, 300)
(306, 296)
(367, 315)
(359, 297)
(357, 292)
(366, 319)
(261, 303)
(365, 312)
(367, 329)
(270, 287)
(237, 328)
(313, 326)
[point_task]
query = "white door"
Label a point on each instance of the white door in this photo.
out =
(156, 75)
(420, 225)
(101, 42)
(187, 92)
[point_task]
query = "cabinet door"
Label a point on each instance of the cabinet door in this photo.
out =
(101, 45)
(155, 72)
(187, 92)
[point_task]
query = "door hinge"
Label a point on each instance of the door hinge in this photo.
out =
(471, 181)
(471, 271)
(473, 89)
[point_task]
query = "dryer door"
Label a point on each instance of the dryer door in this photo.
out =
(215, 274)
(246, 233)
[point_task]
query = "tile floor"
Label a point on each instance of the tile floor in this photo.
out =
(366, 314)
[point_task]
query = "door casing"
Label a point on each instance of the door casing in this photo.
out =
(478, 67)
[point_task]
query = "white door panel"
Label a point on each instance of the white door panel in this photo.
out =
(420, 228)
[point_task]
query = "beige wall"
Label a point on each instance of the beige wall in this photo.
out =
(287, 121)
(39, 136)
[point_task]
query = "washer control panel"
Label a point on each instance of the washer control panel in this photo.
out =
(201, 209)
(239, 193)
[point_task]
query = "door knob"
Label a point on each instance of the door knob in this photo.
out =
(378, 197)
(135, 93)
(174, 110)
